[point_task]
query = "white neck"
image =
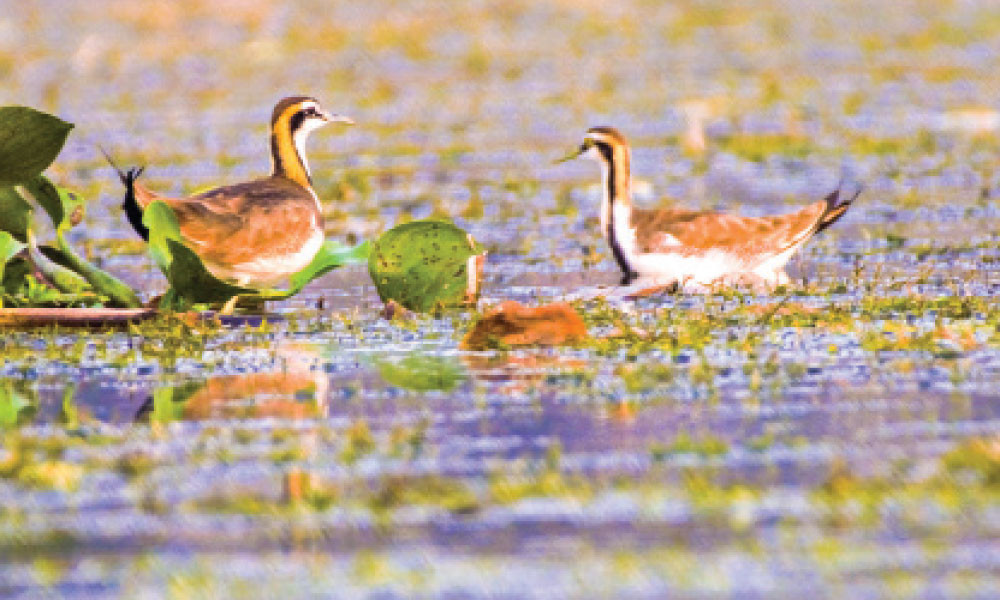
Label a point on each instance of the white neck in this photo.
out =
(616, 209)
(299, 139)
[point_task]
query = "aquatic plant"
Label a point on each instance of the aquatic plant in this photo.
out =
(29, 141)
(424, 265)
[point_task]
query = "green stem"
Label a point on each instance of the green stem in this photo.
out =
(104, 283)
(64, 280)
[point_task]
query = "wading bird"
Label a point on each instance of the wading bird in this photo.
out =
(696, 250)
(257, 233)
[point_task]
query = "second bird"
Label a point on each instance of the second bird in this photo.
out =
(696, 250)
(257, 233)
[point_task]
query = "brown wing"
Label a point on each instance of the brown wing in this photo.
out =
(687, 231)
(235, 224)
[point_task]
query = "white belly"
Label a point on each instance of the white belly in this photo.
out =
(687, 270)
(269, 271)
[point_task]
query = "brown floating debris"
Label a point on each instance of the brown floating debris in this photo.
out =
(513, 324)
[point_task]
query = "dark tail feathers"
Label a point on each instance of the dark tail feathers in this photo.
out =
(133, 212)
(837, 204)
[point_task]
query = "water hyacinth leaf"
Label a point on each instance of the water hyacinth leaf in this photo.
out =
(162, 224)
(65, 210)
(29, 141)
(188, 276)
(192, 280)
(9, 247)
(15, 274)
(63, 207)
(422, 373)
(15, 213)
(425, 264)
(331, 255)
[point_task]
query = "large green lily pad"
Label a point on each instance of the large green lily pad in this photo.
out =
(29, 141)
(424, 264)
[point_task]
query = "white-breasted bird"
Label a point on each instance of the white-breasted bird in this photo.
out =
(696, 250)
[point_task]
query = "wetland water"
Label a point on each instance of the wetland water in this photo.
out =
(841, 440)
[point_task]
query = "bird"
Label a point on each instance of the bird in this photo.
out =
(696, 251)
(257, 233)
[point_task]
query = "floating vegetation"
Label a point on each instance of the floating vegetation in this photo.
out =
(424, 265)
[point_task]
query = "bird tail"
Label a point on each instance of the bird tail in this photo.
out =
(837, 204)
(133, 211)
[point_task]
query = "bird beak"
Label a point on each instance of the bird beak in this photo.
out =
(583, 148)
(335, 118)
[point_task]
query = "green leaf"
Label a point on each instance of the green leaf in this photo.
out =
(12, 405)
(8, 248)
(70, 412)
(162, 224)
(14, 274)
(64, 209)
(62, 206)
(331, 255)
(423, 264)
(15, 213)
(422, 373)
(120, 294)
(187, 275)
(192, 280)
(29, 141)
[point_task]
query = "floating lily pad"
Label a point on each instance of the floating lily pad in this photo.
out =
(29, 141)
(426, 264)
